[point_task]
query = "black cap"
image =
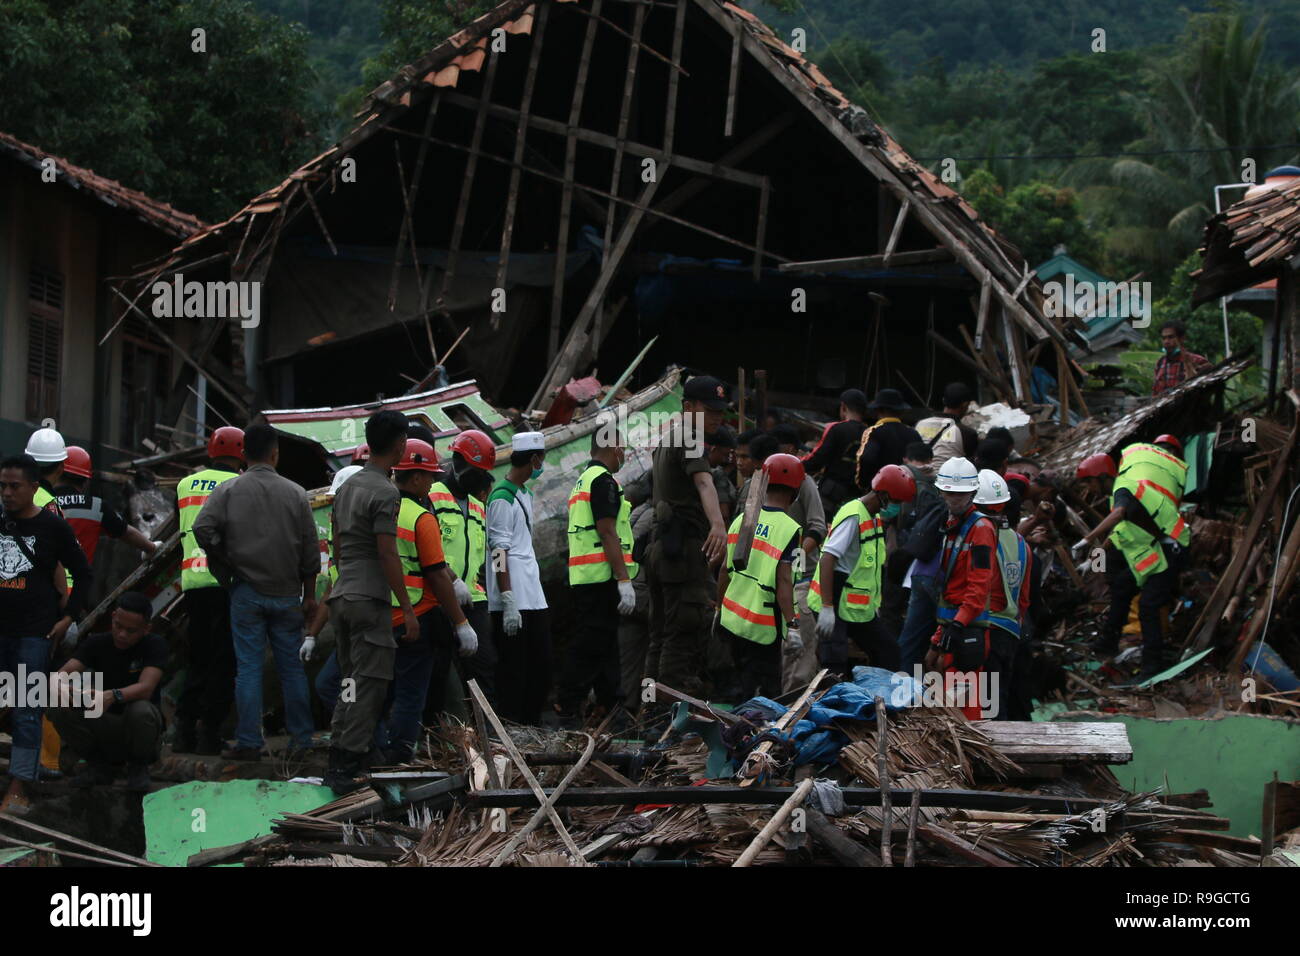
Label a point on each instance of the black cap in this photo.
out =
(707, 389)
(956, 393)
(890, 399)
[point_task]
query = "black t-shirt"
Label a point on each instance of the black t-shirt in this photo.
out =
(605, 496)
(836, 453)
(121, 668)
(29, 602)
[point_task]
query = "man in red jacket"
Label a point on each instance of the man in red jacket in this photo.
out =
(960, 644)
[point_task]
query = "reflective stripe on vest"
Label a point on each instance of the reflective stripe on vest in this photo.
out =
(409, 553)
(749, 608)
(854, 601)
(1156, 479)
(87, 523)
(191, 494)
(1012, 552)
(464, 536)
(588, 563)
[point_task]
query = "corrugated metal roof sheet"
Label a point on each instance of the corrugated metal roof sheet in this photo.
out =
(151, 211)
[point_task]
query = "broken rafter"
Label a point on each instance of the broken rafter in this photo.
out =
(624, 112)
(897, 231)
(407, 229)
(873, 261)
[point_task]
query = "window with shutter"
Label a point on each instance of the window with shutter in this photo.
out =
(44, 343)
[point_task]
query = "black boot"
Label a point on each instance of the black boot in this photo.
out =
(186, 739)
(344, 773)
(209, 743)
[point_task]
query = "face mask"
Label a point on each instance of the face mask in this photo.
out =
(891, 510)
(1171, 352)
(537, 472)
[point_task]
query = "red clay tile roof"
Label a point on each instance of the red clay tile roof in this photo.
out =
(151, 211)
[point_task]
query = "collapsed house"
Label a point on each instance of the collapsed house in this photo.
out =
(561, 182)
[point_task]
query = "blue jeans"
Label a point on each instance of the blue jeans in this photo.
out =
(33, 655)
(412, 669)
(920, 623)
(256, 619)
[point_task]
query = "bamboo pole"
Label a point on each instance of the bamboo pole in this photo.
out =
(778, 819)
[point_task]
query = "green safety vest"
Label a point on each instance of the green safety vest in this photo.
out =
(42, 500)
(408, 552)
(1156, 478)
(749, 608)
(857, 600)
(1013, 555)
(191, 495)
(464, 537)
(588, 563)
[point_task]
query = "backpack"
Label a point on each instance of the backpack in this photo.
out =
(918, 530)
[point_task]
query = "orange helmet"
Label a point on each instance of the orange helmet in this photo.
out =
(227, 442)
(1094, 466)
(1170, 440)
(78, 462)
(419, 456)
(476, 448)
(361, 453)
(895, 481)
(784, 470)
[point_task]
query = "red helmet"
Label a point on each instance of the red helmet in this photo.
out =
(227, 442)
(476, 448)
(1094, 466)
(1170, 440)
(78, 462)
(1016, 478)
(419, 456)
(361, 453)
(895, 481)
(784, 470)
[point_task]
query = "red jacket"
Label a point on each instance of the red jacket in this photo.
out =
(974, 584)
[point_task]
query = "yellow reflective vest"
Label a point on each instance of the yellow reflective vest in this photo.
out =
(749, 607)
(464, 536)
(191, 494)
(587, 561)
(859, 599)
(408, 552)
(1156, 478)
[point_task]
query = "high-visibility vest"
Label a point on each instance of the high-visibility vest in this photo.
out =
(191, 495)
(858, 599)
(947, 610)
(588, 563)
(1156, 478)
(749, 608)
(44, 499)
(464, 536)
(1012, 555)
(409, 513)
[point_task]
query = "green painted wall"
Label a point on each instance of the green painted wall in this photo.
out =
(1231, 757)
(232, 812)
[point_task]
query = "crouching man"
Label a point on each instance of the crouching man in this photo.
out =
(120, 722)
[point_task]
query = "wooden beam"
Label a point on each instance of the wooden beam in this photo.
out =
(670, 106)
(982, 313)
(872, 261)
(760, 232)
(624, 113)
(897, 231)
(752, 509)
(845, 849)
(733, 79)
(778, 820)
(562, 368)
(947, 840)
(407, 229)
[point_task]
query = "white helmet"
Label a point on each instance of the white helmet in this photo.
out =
(957, 474)
(46, 446)
(993, 488)
(342, 475)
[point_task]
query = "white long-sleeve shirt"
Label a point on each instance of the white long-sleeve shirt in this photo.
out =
(509, 529)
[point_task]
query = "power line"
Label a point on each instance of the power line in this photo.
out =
(1152, 152)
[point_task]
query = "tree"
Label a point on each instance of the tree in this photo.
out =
(411, 28)
(1035, 216)
(118, 86)
(1204, 322)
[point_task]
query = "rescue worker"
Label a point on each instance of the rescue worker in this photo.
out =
(88, 514)
(960, 645)
(209, 688)
(1145, 526)
(919, 539)
(458, 498)
(887, 438)
(601, 569)
(756, 603)
(721, 447)
(433, 599)
(520, 618)
(834, 458)
(688, 538)
(327, 680)
(945, 433)
(47, 448)
(846, 594)
(1012, 572)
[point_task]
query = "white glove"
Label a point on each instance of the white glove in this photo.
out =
(825, 622)
(793, 641)
(511, 619)
(468, 639)
(308, 646)
(157, 546)
(626, 598)
(1079, 550)
(463, 597)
